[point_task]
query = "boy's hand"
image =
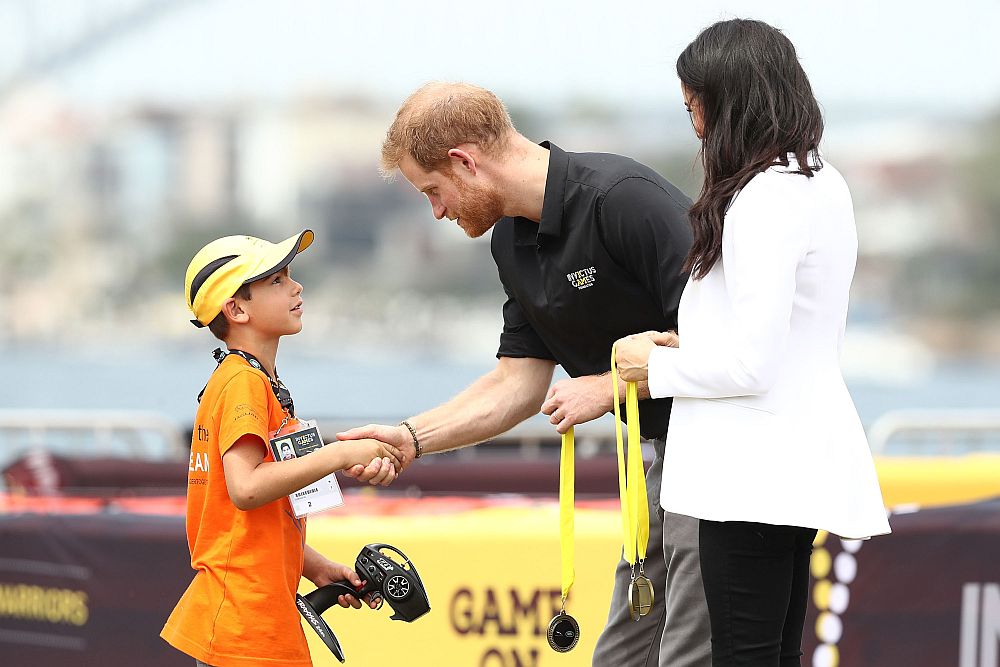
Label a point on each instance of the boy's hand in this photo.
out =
(378, 460)
(326, 572)
(378, 472)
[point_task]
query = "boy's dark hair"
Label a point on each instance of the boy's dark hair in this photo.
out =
(220, 325)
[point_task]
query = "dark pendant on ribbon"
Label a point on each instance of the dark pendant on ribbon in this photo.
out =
(564, 632)
(640, 597)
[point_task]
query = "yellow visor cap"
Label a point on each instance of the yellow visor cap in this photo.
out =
(224, 265)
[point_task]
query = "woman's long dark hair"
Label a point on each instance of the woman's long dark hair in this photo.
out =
(757, 106)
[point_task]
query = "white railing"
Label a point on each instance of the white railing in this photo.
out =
(153, 437)
(90, 433)
(935, 433)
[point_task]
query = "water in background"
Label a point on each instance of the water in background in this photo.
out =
(368, 386)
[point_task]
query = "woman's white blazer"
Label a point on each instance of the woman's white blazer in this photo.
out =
(763, 428)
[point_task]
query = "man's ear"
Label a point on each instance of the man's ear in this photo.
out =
(461, 159)
(234, 311)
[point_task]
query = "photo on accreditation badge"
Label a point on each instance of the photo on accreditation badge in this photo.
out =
(284, 450)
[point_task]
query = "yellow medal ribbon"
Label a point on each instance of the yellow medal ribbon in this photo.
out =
(566, 526)
(631, 486)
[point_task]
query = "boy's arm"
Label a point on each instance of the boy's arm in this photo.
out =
(320, 570)
(252, 481)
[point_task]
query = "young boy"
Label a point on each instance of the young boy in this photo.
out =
(247, 547)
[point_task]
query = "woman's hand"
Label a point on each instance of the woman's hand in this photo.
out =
(632, 353)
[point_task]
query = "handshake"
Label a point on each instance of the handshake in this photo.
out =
(376, 453)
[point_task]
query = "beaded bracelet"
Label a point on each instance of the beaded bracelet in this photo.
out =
(413, 434)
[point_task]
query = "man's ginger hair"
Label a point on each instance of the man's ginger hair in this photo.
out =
(440, 116)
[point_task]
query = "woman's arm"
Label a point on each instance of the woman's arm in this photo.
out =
(763, 244)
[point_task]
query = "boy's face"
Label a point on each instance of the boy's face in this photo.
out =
(275, 306)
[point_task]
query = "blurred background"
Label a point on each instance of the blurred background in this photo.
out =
(134, 131)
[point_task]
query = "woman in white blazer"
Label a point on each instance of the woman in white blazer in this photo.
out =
(764, 445)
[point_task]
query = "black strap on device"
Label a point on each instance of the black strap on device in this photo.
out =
(277, 386)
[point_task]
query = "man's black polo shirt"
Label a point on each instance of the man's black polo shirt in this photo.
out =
(604, 262)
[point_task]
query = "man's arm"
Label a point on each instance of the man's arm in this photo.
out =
(493, 404)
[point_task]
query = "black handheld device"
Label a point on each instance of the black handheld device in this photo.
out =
(386, 580)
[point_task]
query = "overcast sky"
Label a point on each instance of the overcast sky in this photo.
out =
(884, 53)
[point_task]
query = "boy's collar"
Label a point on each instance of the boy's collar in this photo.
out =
(281, 392)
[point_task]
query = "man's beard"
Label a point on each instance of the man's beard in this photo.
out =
(481, 207)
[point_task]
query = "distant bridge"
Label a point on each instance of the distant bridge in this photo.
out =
(44, 35)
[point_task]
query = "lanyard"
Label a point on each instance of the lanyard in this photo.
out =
(631, 487)
(277, 386)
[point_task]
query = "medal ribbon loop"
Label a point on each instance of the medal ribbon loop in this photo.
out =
(564, 632)
(566, 523)
(631, 485)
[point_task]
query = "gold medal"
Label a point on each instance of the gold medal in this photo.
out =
(632, 494)
(640, 597)
(564, 632)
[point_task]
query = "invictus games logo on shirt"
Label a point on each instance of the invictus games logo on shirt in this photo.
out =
(583, 278)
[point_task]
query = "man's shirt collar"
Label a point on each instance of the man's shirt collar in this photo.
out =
(555, 191)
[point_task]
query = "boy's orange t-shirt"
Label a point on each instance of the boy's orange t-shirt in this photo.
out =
(240, 608)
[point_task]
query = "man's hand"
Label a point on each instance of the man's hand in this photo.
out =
(632, 353)
(381, 471)
(325, 571)
(578, 400)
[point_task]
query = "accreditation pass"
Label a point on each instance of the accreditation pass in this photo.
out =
(301, 439)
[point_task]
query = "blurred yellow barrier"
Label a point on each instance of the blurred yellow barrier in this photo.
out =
(491, 565)
(932, 481)
(494, 583)
(493, 575)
